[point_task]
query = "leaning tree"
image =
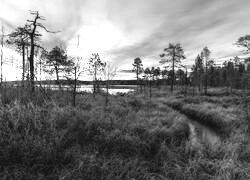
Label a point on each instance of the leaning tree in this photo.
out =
(31, 29)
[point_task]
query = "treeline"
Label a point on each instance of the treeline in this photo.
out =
(80, 82)
(233, 73)
(36, 59)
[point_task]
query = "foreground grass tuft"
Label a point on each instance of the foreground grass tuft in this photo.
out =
(44, 137)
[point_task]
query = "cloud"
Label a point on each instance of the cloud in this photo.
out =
(64, 16)
(140, 28)
(194, 24)
(126, 71)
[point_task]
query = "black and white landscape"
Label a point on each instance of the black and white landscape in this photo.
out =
(125, 90)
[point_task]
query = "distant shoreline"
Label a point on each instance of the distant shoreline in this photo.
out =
(65, 82)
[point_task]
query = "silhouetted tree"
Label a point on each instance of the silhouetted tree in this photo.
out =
(18, 39)
(173, 54)
(109, 73)
(156, 74)
(211, 73)
(1, 60)
(31, 29)
(96, 66)
(205, 54)
(73, 73)
(185, 80)
(56, 61)
(229, 67)
(138, 69)
(198, 71)
(164, 75)
(149, 75)
(181, 77)
(244, 42)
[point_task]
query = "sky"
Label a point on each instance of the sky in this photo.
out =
(121, 30)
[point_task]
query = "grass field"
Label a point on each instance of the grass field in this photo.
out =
(43, 137)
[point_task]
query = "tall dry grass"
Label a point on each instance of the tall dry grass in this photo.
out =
(44, 137)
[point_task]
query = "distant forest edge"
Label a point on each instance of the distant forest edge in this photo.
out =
(79, 82)
(234, 73)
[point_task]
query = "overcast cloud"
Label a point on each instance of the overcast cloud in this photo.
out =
(122, 30)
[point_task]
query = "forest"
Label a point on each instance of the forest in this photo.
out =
(177, 122)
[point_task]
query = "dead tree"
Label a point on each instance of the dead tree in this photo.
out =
(109, 73)
(73, 73)
(2, 44)
(96, 66)
(32, 31)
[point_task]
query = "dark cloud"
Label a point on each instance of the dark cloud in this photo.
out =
(126, 71)
(194, 24)
(147, 25)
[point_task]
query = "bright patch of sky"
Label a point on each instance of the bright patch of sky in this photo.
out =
(122, 30)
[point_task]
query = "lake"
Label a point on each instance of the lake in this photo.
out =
(114, 89)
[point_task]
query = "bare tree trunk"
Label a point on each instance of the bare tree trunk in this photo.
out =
(94, 83)
(193, 89)
(40, 63)
(200, 81)
(57, 78)
(107, 93)
(137, 79)
(74, 92)
(150, 89)
(141, 84)
(2, 39)
(186, 82)
(28, 65)
(231, 86)
(32, 76)
(205, 87)
(23, 54)
(173, 74)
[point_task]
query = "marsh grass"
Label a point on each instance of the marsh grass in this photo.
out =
(222, 119)
(44, 137)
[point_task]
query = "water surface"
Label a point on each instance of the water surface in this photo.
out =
(114, 89)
